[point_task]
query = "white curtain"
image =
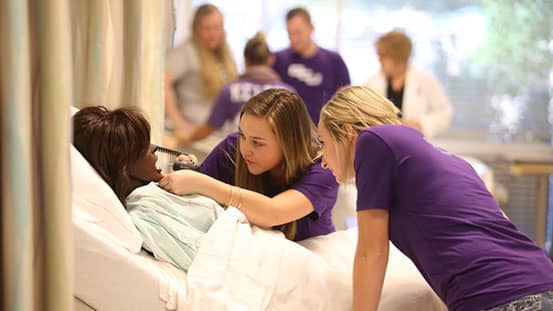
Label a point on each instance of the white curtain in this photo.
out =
(119, 49)
(54, 54)
(36, 91)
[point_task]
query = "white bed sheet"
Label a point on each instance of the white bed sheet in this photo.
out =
(109, 277)
(404, 287)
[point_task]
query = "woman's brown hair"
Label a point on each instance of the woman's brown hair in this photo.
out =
(291, 124)
(257, 50)
(110, 141)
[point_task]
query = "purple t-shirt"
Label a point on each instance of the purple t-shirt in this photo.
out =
(443, 218)
(316, 79)
(317, 184)
(233, 96)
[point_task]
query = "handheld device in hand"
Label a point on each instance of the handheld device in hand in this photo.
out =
(177, 165)
(182, 165)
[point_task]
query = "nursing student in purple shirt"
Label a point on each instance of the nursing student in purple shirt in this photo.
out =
(314, 72)
(433, 206)
(270, 169)
(258, 77)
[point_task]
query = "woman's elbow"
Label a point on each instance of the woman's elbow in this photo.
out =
(268, 223)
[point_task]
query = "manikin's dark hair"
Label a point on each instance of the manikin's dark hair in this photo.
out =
(111, 141)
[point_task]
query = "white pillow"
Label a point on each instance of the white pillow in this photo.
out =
(94, 202)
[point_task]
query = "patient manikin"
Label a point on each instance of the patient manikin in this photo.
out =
(117, 144)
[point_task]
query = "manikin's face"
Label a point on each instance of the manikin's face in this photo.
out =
(299, 34)
(144, 169)
(332, 157)
(211, 31)
(259, 146)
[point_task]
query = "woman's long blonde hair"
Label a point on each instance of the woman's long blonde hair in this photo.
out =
(359, 107)
(217, 67)
(291, 124)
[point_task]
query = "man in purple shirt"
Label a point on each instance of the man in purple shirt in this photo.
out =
(433, 206)
(314, 72)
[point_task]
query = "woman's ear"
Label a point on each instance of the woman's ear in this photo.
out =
(349, 131)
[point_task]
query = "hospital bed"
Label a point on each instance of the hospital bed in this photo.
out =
(113, 273)
(108, 277)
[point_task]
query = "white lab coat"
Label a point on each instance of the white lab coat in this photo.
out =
(424, 100)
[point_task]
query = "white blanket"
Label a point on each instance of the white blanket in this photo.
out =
(242, 267)
(404, 287)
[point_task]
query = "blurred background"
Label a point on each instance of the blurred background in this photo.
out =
(494, 59)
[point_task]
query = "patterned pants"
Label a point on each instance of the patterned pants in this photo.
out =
(538, 302)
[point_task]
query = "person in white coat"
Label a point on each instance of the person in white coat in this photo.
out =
(419, 96)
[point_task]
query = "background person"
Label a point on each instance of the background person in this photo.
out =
(197, 69)
(314, 72)
(258, 77)
(416, 93)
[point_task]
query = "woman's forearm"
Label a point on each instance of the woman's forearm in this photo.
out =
(201, 132)
(260, 210)
(368, 277)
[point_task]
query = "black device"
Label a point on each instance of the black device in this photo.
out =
(177, 165)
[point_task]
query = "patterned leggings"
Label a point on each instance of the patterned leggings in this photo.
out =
(538, 302)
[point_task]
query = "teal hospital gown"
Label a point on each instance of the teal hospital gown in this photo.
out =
(171, 226)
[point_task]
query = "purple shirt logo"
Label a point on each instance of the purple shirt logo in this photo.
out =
(242, 92)
(305, 74)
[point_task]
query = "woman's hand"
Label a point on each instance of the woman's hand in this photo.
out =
(187, 158)
(182, 182)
